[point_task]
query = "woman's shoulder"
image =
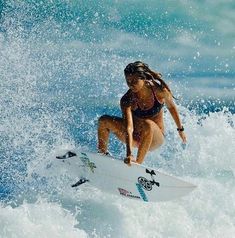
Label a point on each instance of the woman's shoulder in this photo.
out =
(127, 99)
(161, 92)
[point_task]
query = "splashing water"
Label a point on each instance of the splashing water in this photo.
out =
(61, 67)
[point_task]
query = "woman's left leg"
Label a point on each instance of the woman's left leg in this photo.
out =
(151, 137)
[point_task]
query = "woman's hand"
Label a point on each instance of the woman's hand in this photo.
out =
(129, 159)
(183, 136)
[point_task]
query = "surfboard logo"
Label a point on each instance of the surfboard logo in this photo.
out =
(126, 193)
(141, 192)
(148, 184)
(87, 163)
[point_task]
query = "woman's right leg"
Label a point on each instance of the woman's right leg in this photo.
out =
(107, 124)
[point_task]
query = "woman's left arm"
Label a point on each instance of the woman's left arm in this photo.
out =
(174, 113)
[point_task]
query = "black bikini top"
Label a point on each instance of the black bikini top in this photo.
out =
(149, 112)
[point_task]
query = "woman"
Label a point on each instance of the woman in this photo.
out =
(142, 124)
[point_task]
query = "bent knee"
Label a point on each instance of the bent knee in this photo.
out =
(103, 121)
(156, 144)
(157, 141)
(110, 122)
(149, 126)
(103, 118)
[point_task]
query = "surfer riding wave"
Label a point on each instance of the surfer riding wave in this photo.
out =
(141, 124)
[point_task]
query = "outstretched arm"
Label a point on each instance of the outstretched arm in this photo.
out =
(129, 130)
(128, 119)
(174, 113)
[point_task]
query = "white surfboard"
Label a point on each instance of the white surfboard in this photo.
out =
(113, 176)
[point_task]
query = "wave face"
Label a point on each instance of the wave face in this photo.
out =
(61, 67)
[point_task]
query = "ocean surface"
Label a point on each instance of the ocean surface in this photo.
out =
(61, 67)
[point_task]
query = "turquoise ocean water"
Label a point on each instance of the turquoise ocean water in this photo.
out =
(61, 67)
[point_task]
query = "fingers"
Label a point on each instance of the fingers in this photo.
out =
(183, 137)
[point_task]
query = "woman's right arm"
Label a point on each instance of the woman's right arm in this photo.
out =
(129, 131)
(128, 121)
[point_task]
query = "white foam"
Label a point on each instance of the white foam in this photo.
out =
(208, 211)
(40, 219)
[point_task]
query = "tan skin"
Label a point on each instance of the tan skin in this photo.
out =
(146, 134)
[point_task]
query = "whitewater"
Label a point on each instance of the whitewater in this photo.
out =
(61, 67)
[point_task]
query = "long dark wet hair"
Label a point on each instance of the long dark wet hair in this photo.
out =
(144, 71)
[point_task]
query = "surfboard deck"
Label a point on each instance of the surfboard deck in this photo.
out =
(114, 176)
